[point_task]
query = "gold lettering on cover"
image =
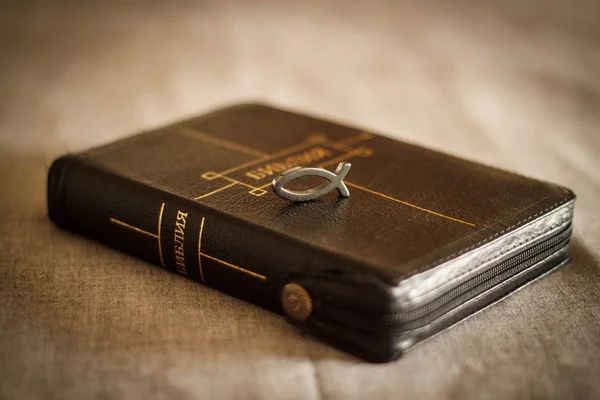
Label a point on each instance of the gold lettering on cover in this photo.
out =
(269, 169)
(178, 241)
(181, 220)
(360, 151)
(313, 140)
(308, 157)
(255, 175)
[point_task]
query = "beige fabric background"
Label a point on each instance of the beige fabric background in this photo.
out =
(514, 84)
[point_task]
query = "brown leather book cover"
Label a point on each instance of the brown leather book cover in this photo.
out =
(424, 240)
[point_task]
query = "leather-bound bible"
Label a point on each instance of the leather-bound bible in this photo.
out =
(424, 240)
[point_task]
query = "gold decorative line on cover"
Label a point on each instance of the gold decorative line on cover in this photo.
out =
(408, 204)
(256, 191)
(317, 139)
(360, 151)
(155, 236)
(235, 181)
(356, 139)
(344, 145)
(194, 134)
(126, 225)
(215, 191)
(314, 139)
(200, 248)
(162, 208)
(200, 253)
(339, 145)
(238, 268)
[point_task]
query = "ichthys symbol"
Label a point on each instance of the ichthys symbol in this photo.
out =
(336, 181)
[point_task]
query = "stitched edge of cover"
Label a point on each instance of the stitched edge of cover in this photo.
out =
(488, 239)
(484, 241)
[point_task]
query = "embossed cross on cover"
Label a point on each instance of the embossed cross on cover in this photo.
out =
(425, 240)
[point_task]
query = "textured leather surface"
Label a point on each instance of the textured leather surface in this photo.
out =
(195, 198)
(409, 206)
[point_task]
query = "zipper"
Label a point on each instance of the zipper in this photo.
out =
(486, 280)
(423, 315)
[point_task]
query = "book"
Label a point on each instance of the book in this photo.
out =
(424, 240)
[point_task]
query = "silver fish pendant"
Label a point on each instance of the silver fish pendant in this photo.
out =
(336, 181)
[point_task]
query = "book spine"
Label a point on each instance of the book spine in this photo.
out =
(178, 234)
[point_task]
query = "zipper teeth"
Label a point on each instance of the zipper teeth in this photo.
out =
(516, 263)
